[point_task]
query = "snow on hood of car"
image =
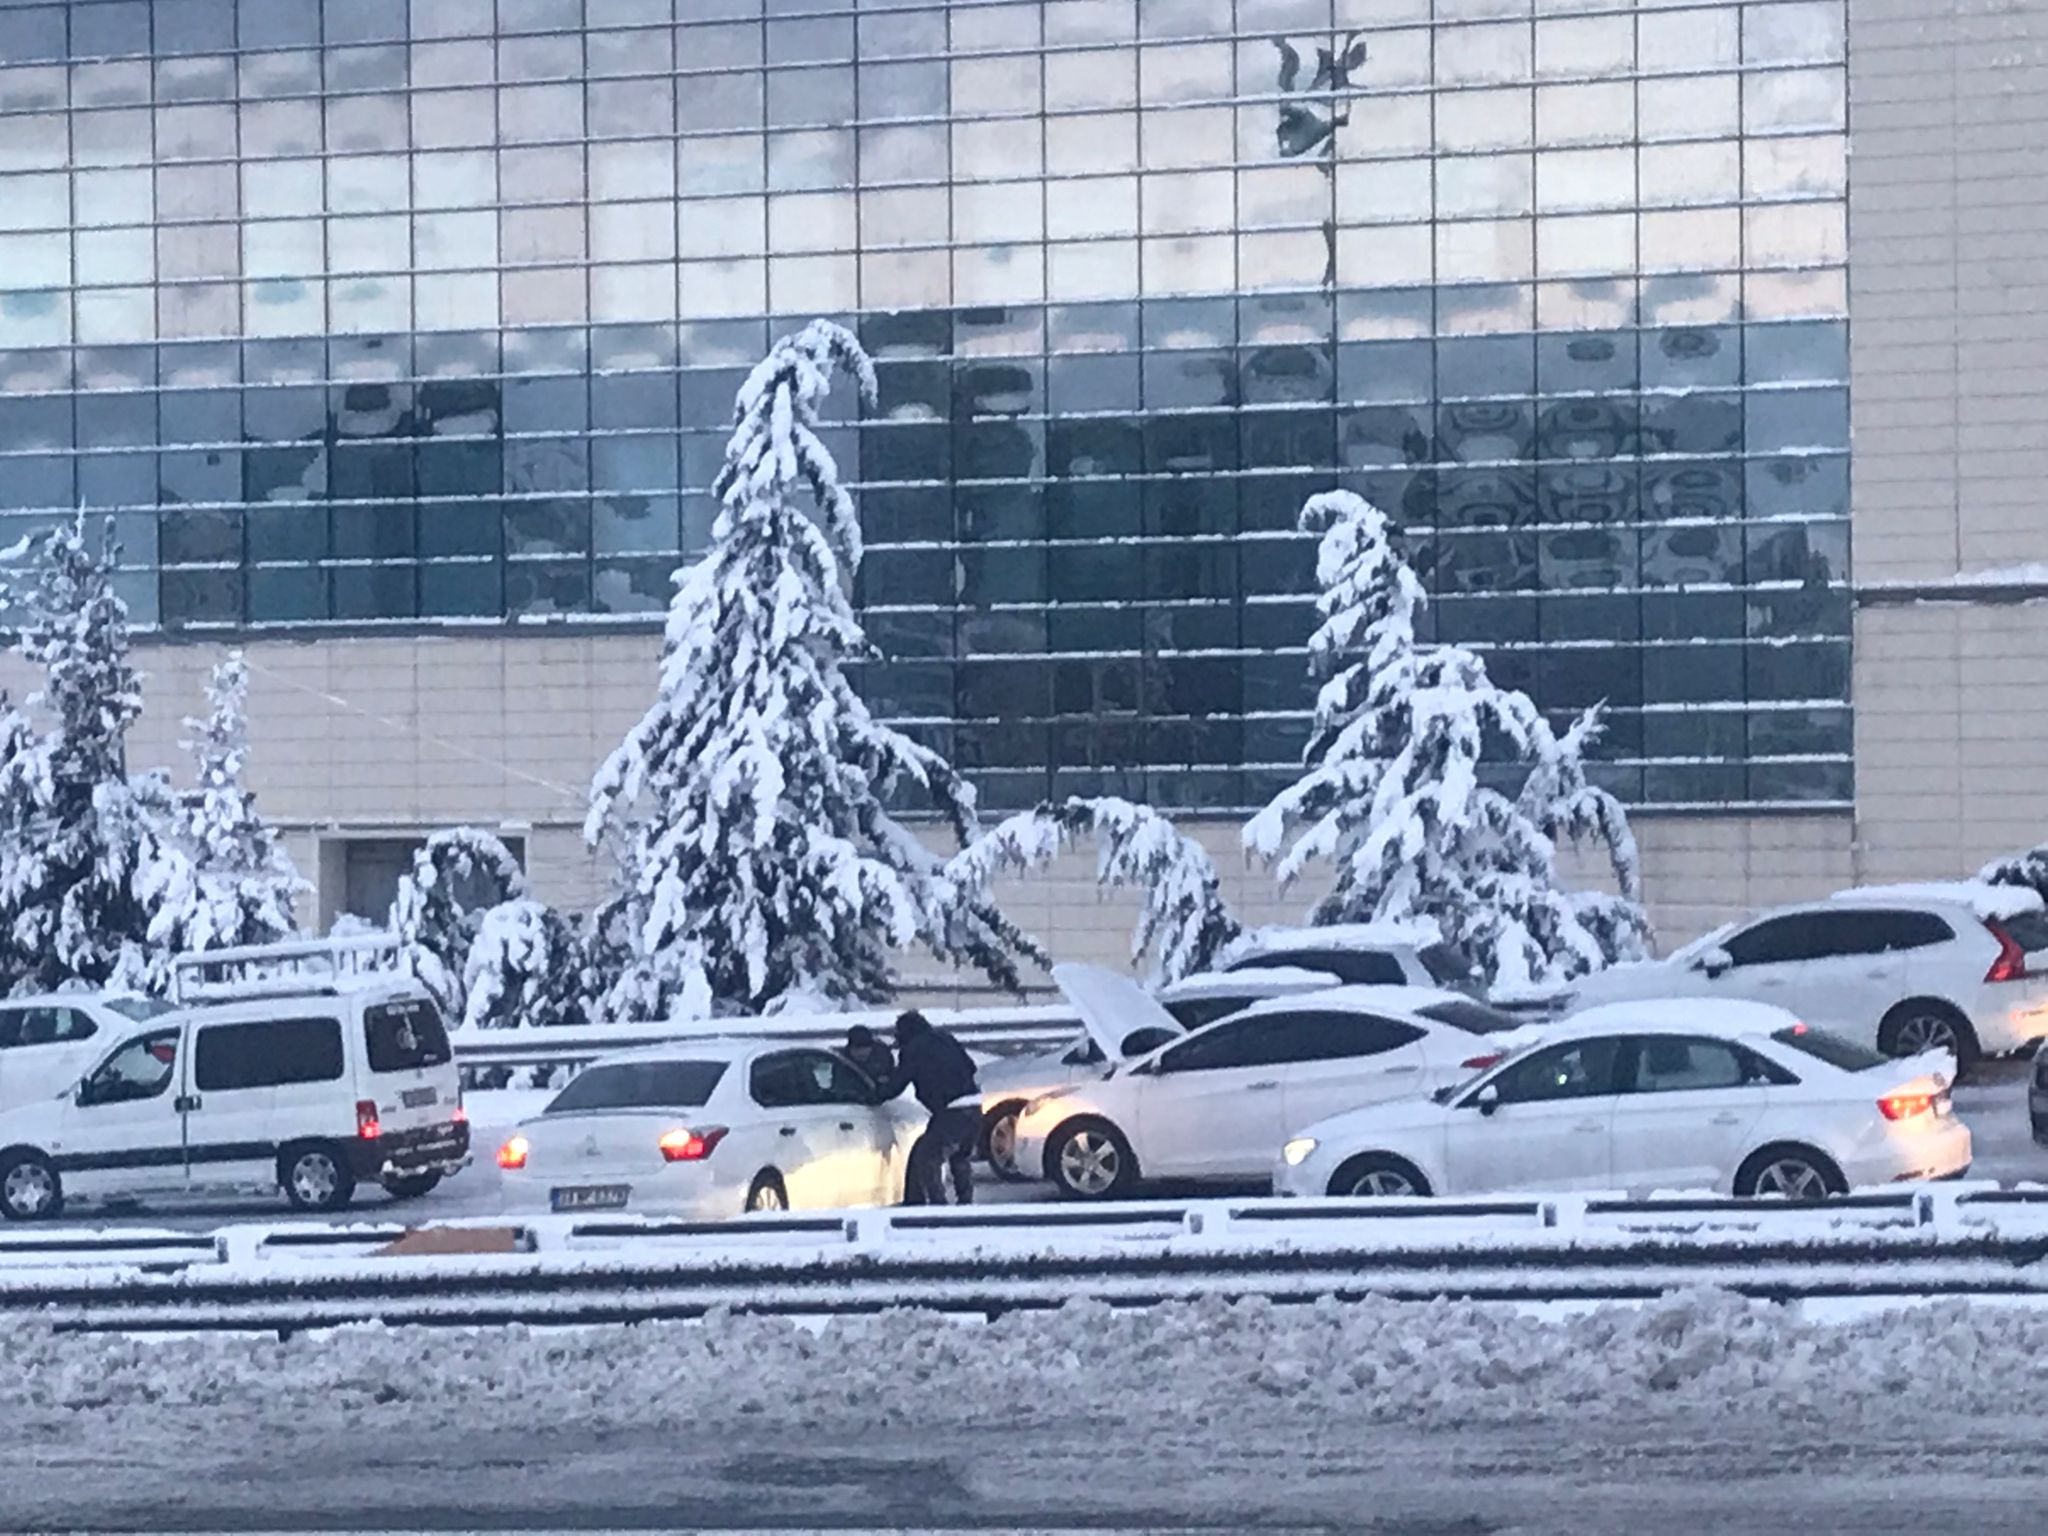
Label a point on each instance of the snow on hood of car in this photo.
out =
(1111, 1006)
(1987, 901)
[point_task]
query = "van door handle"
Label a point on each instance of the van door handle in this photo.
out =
(1393, 1071)
(846, 1125)
(185, 1105)
(789, 1130)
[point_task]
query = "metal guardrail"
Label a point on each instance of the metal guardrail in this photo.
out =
(1908, 1243)
(996, 1031)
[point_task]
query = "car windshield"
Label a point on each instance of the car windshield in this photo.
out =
(405, 1035)
(1832, 1049)
(641, 1085)
(140, 1009)
(1473, 1018)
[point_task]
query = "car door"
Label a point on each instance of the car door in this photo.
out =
(1212, 1106)
(1551, 1125)
(256, 1084)
(1341, 1060)
(870, 1140)
(1686, 1113)
(1824, 964)
(122, 1132)
(803, 1139)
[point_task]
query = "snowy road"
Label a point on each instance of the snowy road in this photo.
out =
(1437, 1419)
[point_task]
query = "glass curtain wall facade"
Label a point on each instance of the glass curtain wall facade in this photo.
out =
(357, 313)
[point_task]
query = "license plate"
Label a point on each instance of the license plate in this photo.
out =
(418, 1098)
(591, 1197)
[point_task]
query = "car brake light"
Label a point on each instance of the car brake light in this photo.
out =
(1903, 1106)
(1480, 1063)
(2011, 964)
(460, 1117)
(513, 1153)
(681, 1146)
(366, 1120)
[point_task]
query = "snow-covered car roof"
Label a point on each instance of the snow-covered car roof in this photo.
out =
(1409, 933)
(726, 1048)
(1721, 1018)
(1266, 981)
(1985, 900)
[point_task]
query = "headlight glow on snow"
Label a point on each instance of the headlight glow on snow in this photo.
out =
(1040, 1102)
(1297, 1151)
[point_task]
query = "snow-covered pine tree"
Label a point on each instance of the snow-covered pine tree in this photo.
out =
(2028, 868)
(1393, 794)
(759, 861)
(456, 876)
(1560, 798)
(91, 888)
(524, 970)
(1183, 922)
(248, 890)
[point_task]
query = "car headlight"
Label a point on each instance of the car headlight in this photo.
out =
(1297, 1151)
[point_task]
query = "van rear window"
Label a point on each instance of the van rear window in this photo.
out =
(405, 1036)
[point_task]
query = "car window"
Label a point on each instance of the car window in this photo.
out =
(1778, 940)
(1885, 932)
(10, 1028)
(1194, 1012)
(640, 1085)
(405, 1035)
(1675, 1064)
(141, 1069)
(2029, 930)
(1357, 967)
(266, 1054)
(1577, 1069)
(140, 1009)
(793, 1079)
(1821, 1045)
(1323, 1034)
(1473, 1018)
(1218, 1047)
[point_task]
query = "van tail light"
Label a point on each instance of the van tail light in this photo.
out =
(1903, 1106)
(513, 1153)
(366, 1120)
(1481, 1063)
(460, 1116)
(2011, 964)
(681, 1146)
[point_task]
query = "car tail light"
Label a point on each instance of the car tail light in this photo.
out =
(366, 1120)
(1480, 1063)
(513, 1154)
(1903, 1106)
(2011, 964)
(681, 1146)
(460, 1117)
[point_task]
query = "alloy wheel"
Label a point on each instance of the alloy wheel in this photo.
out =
(1382, 1183)
(767, 1197)
(1925, 1032)
(1090, 1163)
(30, 1189)
(315, 1178)
(1791, 1178)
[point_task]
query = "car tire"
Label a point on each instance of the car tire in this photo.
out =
(1377, 1176)
(768, 1193)
(316, 1177)
(1789, 1172)
(410, 1186)
(1090, 1159)
(998, 1132)
(1925, 1024)
(30, 1189)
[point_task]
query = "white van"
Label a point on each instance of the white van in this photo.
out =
(309, 1088)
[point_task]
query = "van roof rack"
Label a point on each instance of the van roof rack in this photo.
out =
(295, 968)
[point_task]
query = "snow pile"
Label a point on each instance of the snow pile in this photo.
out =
(1209, 1361)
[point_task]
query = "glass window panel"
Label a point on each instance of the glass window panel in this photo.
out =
(715, 288)
(1100, 205)
(1816, 164)
(539, 58)
(1803, 487)
(798, 161)
(903, 90)
(196, 192)
(456, 179)
(1800, 32)
(467, 62)
(1585, 45)
(195, 79)
(1096, 270)
(1812, 352)
(1187, 203)
(93, 85)
(381, 244)
(718, 103)
(1186, 73)
(35, 201)
(1484, 250)
(1192, 137)
(1787, 100)
(886, 36)
(1384, 190)
(367, 183)
(645, 51)
(1571, 179)
(1484, 184)
(272, 128)
(1393, 256)
(1491, 119)
(1691, 356)
(1587, 304)
(116, 256)
(201, 250)
(1684, 109)
(283, 248)
(728, 226)
(983, 86)
(444, 119)
(1483, 55)
(1298, 259)
(1691, 173)
(97, 138)
(996, 275)
(1397, 125)
(1685, 42)
(1691, 241)
(107, 314)
(532, 113)
(631, 170)
(798, 98)
(816, 39)
(1795, 234)
(1692, 300)
(1076, 81)
(1079, 145)
(1806, 419)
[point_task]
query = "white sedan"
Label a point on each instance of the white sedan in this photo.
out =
(1734, 1097)
(712, 1128)
(1213, 1105)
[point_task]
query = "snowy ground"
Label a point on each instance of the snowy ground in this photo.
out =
(1424, 1418)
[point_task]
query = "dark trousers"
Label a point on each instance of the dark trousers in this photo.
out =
(948, 1141)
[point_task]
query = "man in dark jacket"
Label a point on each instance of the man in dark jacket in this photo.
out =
(937, 1068)
(866, 1050)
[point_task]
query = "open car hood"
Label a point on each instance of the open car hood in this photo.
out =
(1112, 1007)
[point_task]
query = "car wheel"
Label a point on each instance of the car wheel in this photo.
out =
(410, 1186)
(1923, 1025)
(768, 1193)
(30, 1189)
(999, 1142)
(1376, 1176)
(1091, 1160)
(316, 1178)
(1789, 1173)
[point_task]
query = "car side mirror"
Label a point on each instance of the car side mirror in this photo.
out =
(1488, 1099)
(1715, 963)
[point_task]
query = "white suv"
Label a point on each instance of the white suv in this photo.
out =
(1908, 968)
